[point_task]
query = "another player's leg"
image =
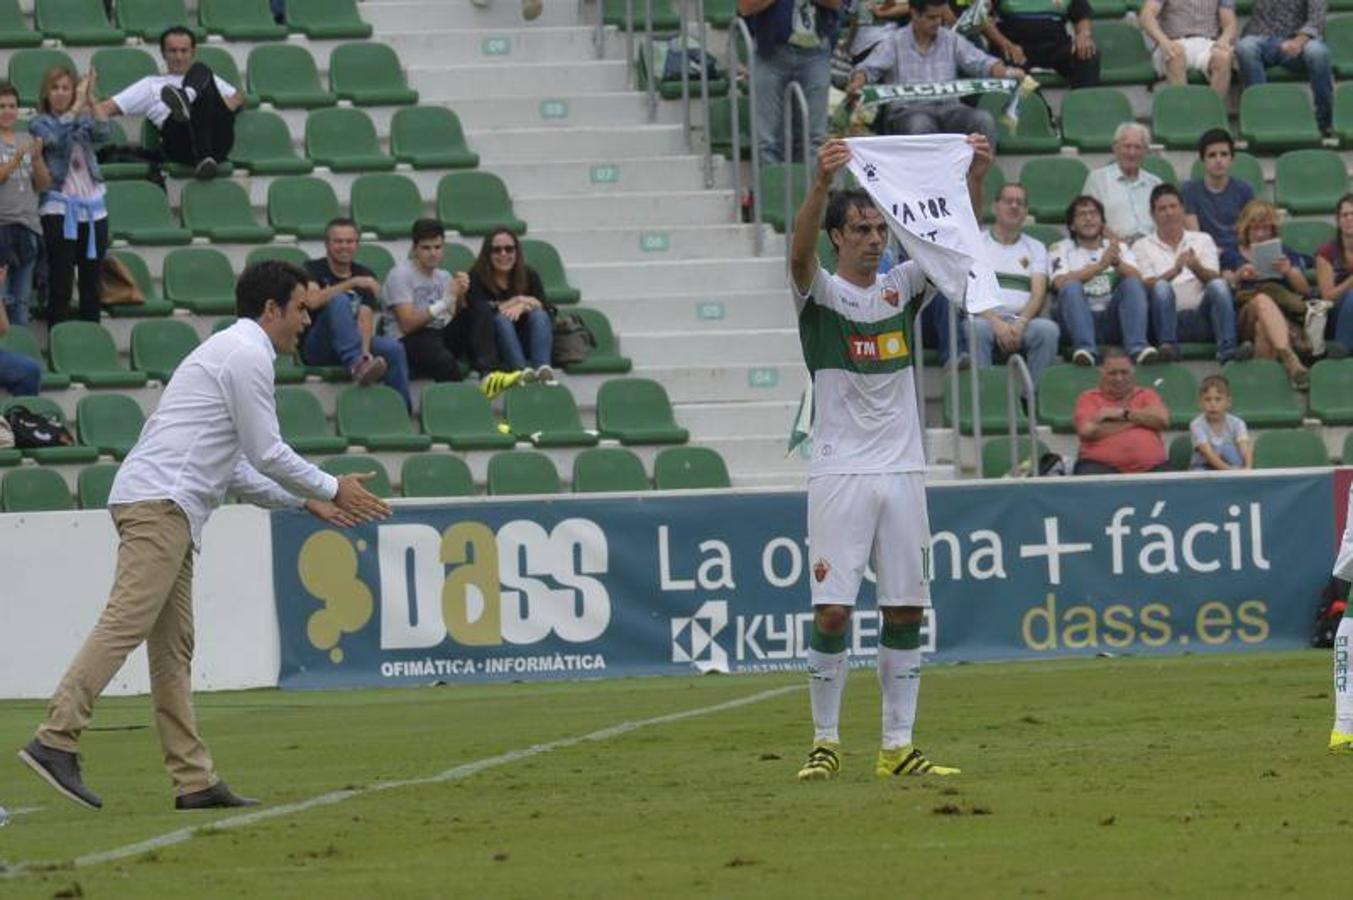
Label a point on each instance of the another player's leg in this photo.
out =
(828, 665)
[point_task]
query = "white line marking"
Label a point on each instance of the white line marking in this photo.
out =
(456, 773)
(25, 810)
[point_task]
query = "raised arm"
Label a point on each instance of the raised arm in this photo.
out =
(803, 251)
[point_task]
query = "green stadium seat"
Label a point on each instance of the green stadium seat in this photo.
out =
(1306, 235)
(1181, 452)
(79, 452)
(28, 66)
(301, 205)
(154, 306)
(240, 20)
(1110, 9)
(85, 352)
(357, 464)
(991, 189)
(721, 13)
(147, 19)
(367, 73)
(547, 416)
(223, 65)
(1122, 53)
(10, 457)
(1290, 448)
(263, 145)
(1261, 396)
(721, 127)
(1033, 133)
(302, 423)
(1181, 113)
(1347, 457)
(689, 468)
(286, 368)
(138, 212)
(14, 30)
(19, 339)
(1332, 392)
(1047, 235)
(94, 484)
(826, 253)
(665, 15)
(773, 178)
(1091, 114)
(200, 279)
(430, 137)
(1178, 387)
(285, 76)
(457, 258)
(542, 257)
(605, 357)
(121, 67)
(996, 456)
(1338, 36)
(75, 23)
(219, 209)
(159, 346)
(1058, 390)
(1277, 117)
(326, 19)
(1309, 181)
(111, 422)
(522, 472)
(345, 140)
(458, 414)
(34, 489)
(376, 418)
(386, 204)
(285, 252)
(1246, 167)
(116, 171)
(1161, 167)
(1343, 113)
(475, 203)
(1052, 182)
(637, 411)
(435, 475)
(376, 258)
(992, 388)
(150, 142)
(600, 469)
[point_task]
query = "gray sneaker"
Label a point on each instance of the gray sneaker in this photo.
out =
(218, 796)
(177, 100)
(61, 770)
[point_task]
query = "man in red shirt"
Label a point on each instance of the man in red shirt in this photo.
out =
(1119, 423)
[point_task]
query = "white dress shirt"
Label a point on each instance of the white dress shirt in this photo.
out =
(1157, 257)
(1127, 201)
(216, 430)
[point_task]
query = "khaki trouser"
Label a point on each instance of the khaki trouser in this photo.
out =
(151, 601)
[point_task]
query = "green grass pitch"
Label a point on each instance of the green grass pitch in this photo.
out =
(1185, 777)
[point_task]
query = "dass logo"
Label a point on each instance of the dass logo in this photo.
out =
(877, 347)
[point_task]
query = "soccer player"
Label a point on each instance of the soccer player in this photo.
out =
(866, 482)
(1341, 737)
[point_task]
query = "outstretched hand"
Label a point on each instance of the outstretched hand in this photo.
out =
(981, 156)
(831, 159)
(330, 512)
(355, 500)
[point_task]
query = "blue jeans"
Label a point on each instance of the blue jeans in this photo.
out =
(20, 375)
(1123, 321)
(1213, 320)
(1254, 54)
(775, 69)
(333, 339)
(532, 335)
(1340, 326)
(19, 284)
(1039, 345)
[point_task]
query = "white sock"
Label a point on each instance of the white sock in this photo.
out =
(899, 682)
(1343, 675)
(826, 686)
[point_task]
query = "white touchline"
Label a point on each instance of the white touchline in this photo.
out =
(456, 773)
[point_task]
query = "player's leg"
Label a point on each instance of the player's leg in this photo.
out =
(1341, 737)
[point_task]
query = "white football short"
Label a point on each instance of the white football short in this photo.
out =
(1343, 563)
(850, 518)
(1197, 55)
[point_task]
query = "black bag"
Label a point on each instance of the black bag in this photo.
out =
(573, 340)
(694, 56)
(33, 430)
(1333, 604)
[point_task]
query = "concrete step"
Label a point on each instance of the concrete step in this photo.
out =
(549, 109)
(647, 211)
(583, 246)
(394, 15)
(761, 347)
(442, 83)
(702, 313)
(623, 280)
(760, 454)
(732, 382)
(498, 46)
(714, 420)
(601, 144)
(596, 174)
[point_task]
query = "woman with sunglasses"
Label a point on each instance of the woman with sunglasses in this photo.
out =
(524, 323)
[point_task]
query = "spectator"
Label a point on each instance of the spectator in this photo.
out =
(1214, 201)
(1220, 440)
(1100, 296)
(19, 375)
(1272, 307)
(23, 173)
(342, 315)
(1287, 33)
(193, 109)
(1119, 423)
(1192, 34)
(1334, 279)
(74, 218)
(1021, 266)
(1123, 186)
(523, 323)
(1035, 35)
(926, 52)
(794, 41)
(1190, 301)
(875, 21)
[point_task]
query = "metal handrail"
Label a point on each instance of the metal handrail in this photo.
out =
(740, 33)
(651, 56)
(704, 93)
(704, 85)
(1017, 372)
(974, 389)
(599, 33)
(795, 102)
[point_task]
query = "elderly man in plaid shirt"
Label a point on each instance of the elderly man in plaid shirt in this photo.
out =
(1287, 33)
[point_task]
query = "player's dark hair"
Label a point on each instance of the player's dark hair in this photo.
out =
(1215, 136)
(1164, 190)
(340, 222)
(1218, 382)
(1113, 351)
(839, 205)
(1082, 200)
(426, 230)
(177, 29)
(271, 279)
(918, 7)
(9, 90)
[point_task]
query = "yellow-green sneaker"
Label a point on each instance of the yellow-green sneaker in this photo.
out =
(1341, 742)
(495, 383)
(908, 761)
(824, 762)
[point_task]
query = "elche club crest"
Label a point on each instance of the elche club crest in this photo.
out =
(820, 570)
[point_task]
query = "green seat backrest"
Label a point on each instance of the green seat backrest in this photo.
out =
(1290, 448)
(299, 414)
(284, 69)
(458, 409)
(94, 484)
(1047, 235)
(600, 326)
(608, 469)
(364, 66)
(1181, 452)
(240, 20)
(522, 472)
(111, 422)
(159, 345)
(320, 19)
(1181, 113)
(1245, 166)
(135, 205)
(689, 468)
(665, 17)
(75, 21)
(386, 203)
(149, 18)
(1332, 392)
(1033, 132)
(34, 489)
(261, 134)
(992, 395)
(1123, 56)
(457, 258)
(1348, 449)
(371, 411)
(191, 273)
(1306, 235)
(301, 205)
(285, 252)
(1338, 36)
(419, 133)
(996, 456)
(991, 189)
(1161, 167)
(541, 256)
(721, 126)
(1177, 386)
(473, 197)
(216, 203)
(773, 179)
(351, 464)
(340, 132)
(633, 403)
(435, 475)
(1309, 181)
(541, 408)
(41, 405)
(1277, 117)
(1261, 395)
(1090, 115)
(140, 271)
(1052, 182)
(78, 346)
(20, 339)
(376, 258)
(14, 28)
(1058, 390)
(120, 67)
(27, 68)
(222, 64)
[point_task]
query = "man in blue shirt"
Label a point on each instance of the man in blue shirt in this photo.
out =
(1214, 202)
